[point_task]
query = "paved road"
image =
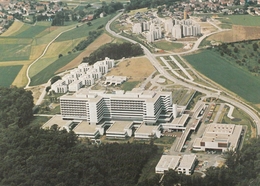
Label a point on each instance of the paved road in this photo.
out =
(192, 85)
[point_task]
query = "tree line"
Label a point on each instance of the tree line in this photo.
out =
(84, 43)
(114, 51)
(136, 4)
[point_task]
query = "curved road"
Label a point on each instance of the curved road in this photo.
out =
(206, 90)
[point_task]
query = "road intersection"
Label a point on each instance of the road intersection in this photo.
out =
(208, 91)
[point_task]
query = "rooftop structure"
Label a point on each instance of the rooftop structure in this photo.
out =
(166, 163)
(187, 164)
(81, 128)
(120, 129)
(219, 137)
(147, 131)
(116, 80)
(84, 129)
(178, 123)
(94, 106)
(57, 120)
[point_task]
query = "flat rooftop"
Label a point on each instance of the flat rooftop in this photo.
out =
(187, 161)
(119, 127)
(57, 119)
(180, 120)
(146, 129)
(168, 162)
(84, 127)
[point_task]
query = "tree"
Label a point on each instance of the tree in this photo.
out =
(255, 46)
(60, 55)
(54, 79)
(89, 23)
(16, 106)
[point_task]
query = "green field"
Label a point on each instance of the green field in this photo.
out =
(244, 20)
(224, 73)
(44, 75)
(14, 52)
(8, 74)
(165, 45)
(30, 32)
(83, 30)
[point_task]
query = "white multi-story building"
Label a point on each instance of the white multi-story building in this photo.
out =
(137, 28)
(146, 26)
(94, 106)
(183, 28)
(150, 37)
(168, 25)
(59, 86)
(83, 75)
(177, 31)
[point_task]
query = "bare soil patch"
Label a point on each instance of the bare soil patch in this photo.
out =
(36, 92)
(238, 33)
(103, 39)
(136, 69)
(207, 28)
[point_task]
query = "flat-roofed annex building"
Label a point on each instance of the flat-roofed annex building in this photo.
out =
(81, 128)
(148, 131)
(120, 129)
(95, 106)
(219, 137)
(166, 163)
(187, 164)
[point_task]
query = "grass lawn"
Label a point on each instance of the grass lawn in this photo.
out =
(224, 73)
(83, 30)
(8, 74)
(165, 45)
(44, 75)
(127, 86)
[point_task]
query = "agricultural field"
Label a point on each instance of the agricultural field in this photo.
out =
(237, 33)
(8, 74)
(28, 31)
(23, 43)
(243, 20)
(13, 49)
(228, 75)
(17, 25)
(101, 40)
(244, 55)
(83, 31)
(44, 75)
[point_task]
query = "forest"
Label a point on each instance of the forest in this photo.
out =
(136, 4)
(34, 156)
(114, 51)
